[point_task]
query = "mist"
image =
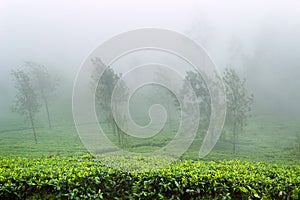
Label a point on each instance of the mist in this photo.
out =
(259, 39)
(175, 119)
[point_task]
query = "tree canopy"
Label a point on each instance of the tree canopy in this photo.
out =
(26, 102)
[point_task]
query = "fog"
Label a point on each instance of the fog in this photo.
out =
(260, 39)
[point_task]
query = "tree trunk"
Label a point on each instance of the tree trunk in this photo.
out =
(234, 136)
(169, 115)
(33, 127)
(118, 132)
(47, 110)
(48, 115)
(234, 147)
(115, 130)
(120, 136)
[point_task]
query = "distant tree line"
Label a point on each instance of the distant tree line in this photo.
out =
(239, 102)
(35, 85)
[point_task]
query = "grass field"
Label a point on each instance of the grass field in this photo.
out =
(265, 138)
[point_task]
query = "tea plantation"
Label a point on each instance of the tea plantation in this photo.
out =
(85, 177)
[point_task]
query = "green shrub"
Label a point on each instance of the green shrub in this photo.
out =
(87, 178)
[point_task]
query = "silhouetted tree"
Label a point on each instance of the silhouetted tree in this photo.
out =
(104, 91)
(26, 102)
(44, 83)
(195, 80)
(238, 103)
(166, 96)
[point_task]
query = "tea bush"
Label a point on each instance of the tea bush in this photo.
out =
(88, 178)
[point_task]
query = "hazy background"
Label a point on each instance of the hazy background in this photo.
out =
(258, 38)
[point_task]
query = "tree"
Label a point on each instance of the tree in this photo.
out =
(195, 80)
(44, 83)
(238, 101)
(104, 91)
(167, 97)
(201, 90)
(26, 99)
(238, 104)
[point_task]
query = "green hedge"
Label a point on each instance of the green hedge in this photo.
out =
(87, 178)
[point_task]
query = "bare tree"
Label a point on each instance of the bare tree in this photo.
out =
(26, 102)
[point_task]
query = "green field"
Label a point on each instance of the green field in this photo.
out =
(265, 138)
(59, 167)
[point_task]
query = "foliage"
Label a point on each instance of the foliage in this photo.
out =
(167, 98)
(87, 178)
(104, 91)
(203, 96)
(44, 83)
(238, 103)
(26, 102)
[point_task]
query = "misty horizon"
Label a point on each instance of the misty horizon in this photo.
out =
(258, 39)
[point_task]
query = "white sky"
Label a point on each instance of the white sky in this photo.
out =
(61, 34)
